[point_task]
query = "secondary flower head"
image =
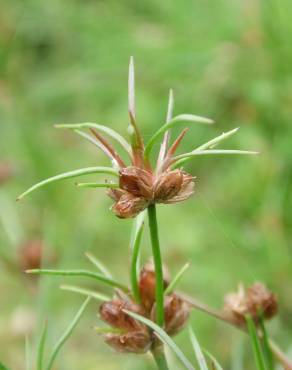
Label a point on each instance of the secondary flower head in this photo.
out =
(140, 182)
(255, 301)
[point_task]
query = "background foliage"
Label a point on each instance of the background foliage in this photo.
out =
(67, 62)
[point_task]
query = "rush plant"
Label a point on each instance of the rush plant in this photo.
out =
(147, 314)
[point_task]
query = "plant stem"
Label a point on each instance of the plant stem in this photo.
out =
(159, 357)
(159, 286)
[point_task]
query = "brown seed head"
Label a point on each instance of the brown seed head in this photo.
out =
(168, 185)
(30, 255)
(254, 301)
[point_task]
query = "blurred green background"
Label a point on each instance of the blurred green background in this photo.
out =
(64, 61)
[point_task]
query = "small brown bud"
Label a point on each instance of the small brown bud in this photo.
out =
(168, 185)
(147, 285)
(176, 312)
(254, 301)
(134, 336)
(131, 342)
(30, 255)
(112, 313)
(136, 181)
(129, 206)
(6, 172)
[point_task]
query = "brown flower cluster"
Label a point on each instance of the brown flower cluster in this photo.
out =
(255, 301)
(138, 188)
(130, 335)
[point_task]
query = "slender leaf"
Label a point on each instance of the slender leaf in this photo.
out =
(89, 293)
(80, 273)
(259, 358)
(164, 337)
(112, 133)
(182, 158)
(176, 279)
(216, 364)
(174, 122)
(97, 185)
(98, 264)
(68, 175)
(266, 346)
(41, 347)
(197, 349)
(135, 248)
(67, 334)
(131, 88)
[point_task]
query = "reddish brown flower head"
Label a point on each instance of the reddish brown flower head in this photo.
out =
(255, 301)
(30, 255)
(134, 336)
(138, 188)
(147, 285)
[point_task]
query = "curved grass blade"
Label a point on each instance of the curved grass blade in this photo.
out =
(215, 363)
(41, 347)
(87, 292)
(80, 273)
(67, 334)
(97, 185)
(212, 143)
(110, 132)
(174, 122)
(259, 358)
(135, 248)
(98, 264)
(164, 337)
(197, 349)
(183, 158)
(68, 175)
(176, 279)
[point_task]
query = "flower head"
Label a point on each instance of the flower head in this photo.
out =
(255, 301)
(140, 182)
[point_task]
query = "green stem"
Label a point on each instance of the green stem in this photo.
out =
(159, 357)
(159, 286)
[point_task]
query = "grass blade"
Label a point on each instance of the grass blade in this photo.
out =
(183, 158)
(215, 363)
(110, 132)
(41, 347)
(174, 122)
(135, 248)
(212, 143)
(197, 349)
(67, 334)
(164, 337)
(89, 293)
(176, 279)
(98, 264)
(266, 346)
(97, 185)
(259, 358)
(80, 273)
(68, 175)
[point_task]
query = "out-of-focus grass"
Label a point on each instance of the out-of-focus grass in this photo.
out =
(67, 62)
